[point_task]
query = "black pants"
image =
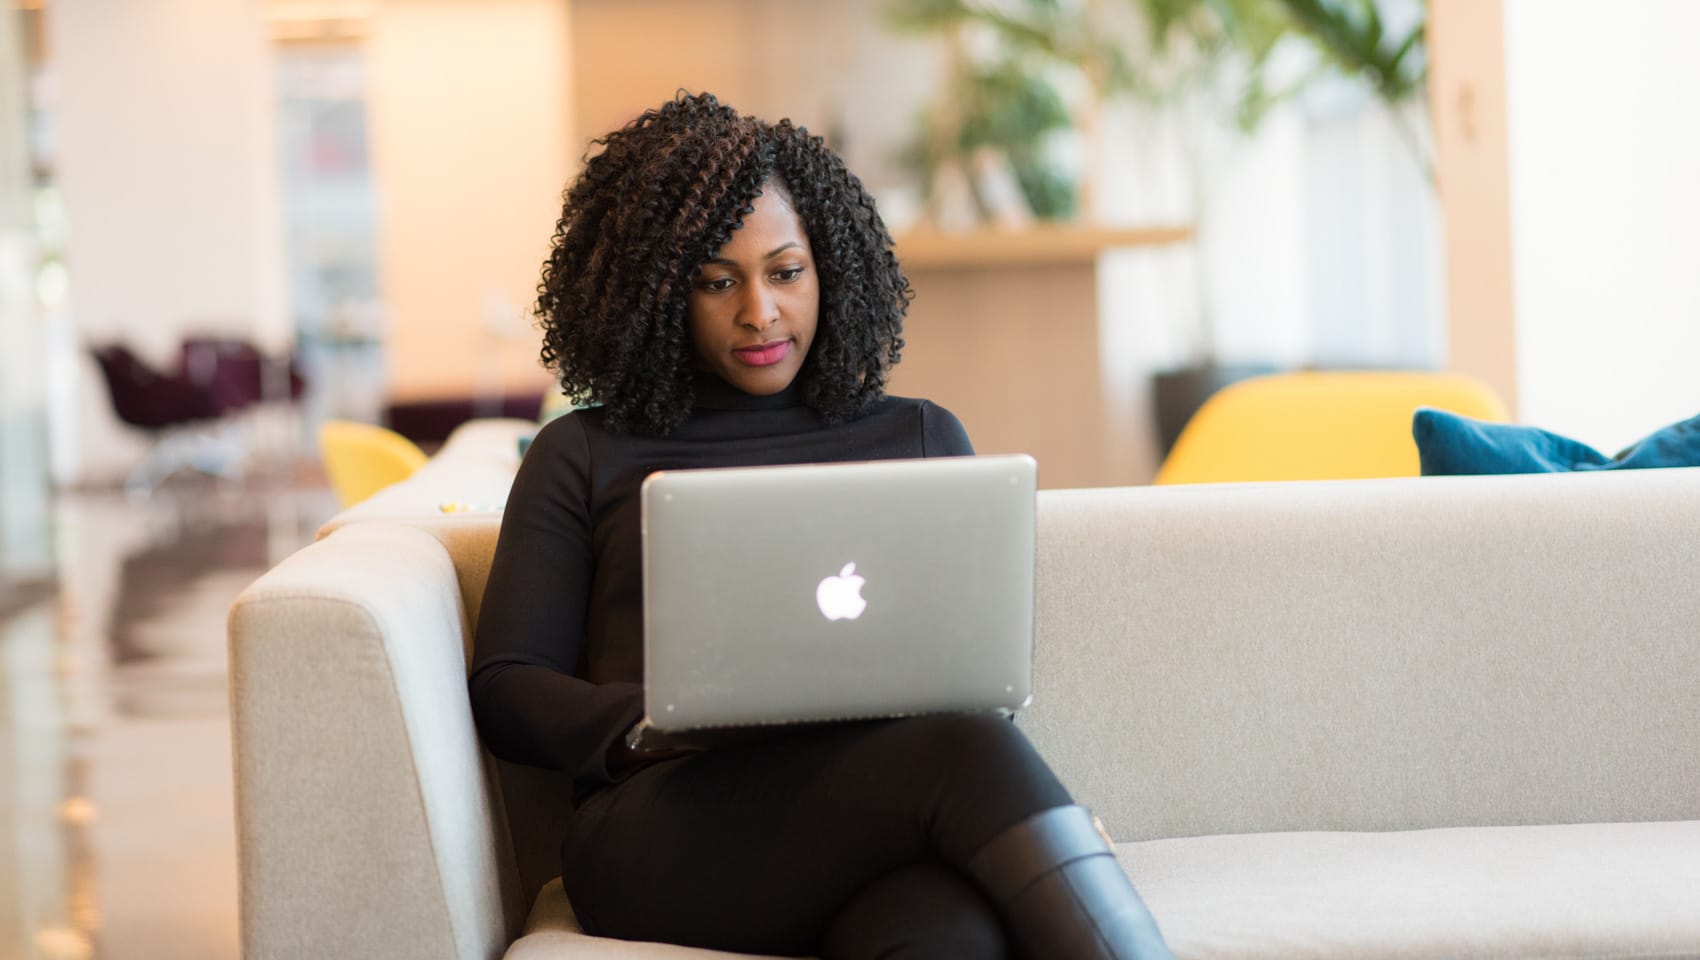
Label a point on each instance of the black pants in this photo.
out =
(845, 842)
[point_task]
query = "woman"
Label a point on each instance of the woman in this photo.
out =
(725, 293)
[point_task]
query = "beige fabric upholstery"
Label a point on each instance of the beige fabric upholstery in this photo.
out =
(470, 475)
(553, 933)
(366, 823)
(1372, 655)
(1233, 676)
(1592, 891)
(1596, 891)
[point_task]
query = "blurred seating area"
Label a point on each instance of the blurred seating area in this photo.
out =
(1319, 425)
(361, 459)
(193, 412)
(429, 422)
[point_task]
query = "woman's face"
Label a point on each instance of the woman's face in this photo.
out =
(754, 303)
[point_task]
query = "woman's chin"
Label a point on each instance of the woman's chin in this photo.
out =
(760, 381)
(763, 385)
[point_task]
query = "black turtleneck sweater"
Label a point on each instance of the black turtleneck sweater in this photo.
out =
(557, 669)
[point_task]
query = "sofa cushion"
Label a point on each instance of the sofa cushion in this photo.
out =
(1588, 890)
(1591, 890)
(1448, 445)
(553, 933)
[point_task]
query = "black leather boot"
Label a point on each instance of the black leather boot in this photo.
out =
(1062, 893)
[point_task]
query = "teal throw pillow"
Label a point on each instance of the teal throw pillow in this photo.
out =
(1448, 444)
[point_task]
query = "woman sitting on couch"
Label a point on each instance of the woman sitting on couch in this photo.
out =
(724, 292)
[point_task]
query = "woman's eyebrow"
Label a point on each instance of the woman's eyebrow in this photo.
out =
(776, 251)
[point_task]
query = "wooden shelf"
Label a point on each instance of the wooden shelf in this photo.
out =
(1030, 246)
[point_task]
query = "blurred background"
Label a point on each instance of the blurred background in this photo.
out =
(225, 223)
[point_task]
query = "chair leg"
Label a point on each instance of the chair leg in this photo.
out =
(218, 449)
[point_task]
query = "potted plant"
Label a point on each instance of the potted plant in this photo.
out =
(1201, 61)
(1228, 38)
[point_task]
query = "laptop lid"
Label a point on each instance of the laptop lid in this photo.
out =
(837, 591)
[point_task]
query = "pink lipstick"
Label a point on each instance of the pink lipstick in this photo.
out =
(764, 354)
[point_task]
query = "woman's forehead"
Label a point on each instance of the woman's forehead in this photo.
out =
(772, 226)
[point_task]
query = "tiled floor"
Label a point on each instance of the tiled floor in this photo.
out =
(116, 826)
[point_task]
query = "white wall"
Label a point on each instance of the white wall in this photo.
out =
(1604, 139)
(471, 125)
(23, 475)
(168, 170)
(829, 65)
(1322, 237)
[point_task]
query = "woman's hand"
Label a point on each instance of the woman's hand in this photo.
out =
(623, 759)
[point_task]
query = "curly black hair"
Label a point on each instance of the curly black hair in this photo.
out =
(663, 195)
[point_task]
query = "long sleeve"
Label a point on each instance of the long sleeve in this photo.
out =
(529, 705)
(564, 602)
(942, 434)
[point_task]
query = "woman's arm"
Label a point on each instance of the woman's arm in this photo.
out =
(528, 705)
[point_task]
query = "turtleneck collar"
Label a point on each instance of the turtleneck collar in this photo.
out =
(713, 393)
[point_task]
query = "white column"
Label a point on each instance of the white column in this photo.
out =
(167, 164)
(1604, 143)
(1568, 142)
(471, 123)
(23, 467)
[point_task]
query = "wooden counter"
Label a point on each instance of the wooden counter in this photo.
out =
(1005, 332)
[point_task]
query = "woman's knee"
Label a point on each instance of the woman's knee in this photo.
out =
(951, 740)
(982, 776)
(983, 752)
(919, 912)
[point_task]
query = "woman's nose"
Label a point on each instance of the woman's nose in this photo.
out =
(759, 309)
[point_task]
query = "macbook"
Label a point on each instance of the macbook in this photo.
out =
(797, 594)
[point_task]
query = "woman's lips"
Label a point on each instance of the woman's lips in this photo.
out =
(764, 354)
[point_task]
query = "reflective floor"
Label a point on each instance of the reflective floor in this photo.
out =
(116, 825)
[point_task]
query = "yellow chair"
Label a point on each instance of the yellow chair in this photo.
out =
(1318, 425)
(362, 459)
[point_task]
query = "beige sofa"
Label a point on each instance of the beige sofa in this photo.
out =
(1445, 717)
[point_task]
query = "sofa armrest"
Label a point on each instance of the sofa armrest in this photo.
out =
(467, 479)
(1372, 655)
(367, 824)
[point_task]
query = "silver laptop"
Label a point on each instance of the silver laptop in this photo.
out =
(795, 594)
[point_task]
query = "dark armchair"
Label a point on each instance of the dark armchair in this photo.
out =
(150, 399)
(237, 374)
(187, 411)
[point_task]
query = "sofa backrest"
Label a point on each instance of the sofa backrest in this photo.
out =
(1373, 655)
(457, 497)
(1353, 655)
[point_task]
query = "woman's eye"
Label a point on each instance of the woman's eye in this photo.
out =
(788, 274)
(716, 284)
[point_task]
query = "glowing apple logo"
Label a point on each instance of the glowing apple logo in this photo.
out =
(840, 597)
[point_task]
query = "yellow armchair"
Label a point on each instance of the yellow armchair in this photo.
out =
(362, 459)
(1318, 425)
